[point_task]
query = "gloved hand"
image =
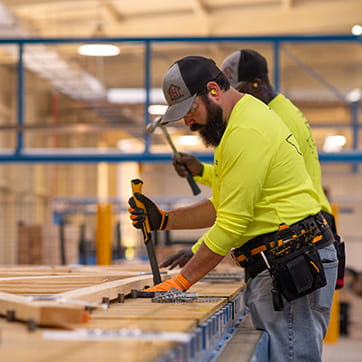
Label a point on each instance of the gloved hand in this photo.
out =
(177, 282)
(180, 258)
(157, 217)
(191, 162)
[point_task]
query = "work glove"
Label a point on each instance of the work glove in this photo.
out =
(177, 282)
(180, 258)
(191, 162)
(157, 217)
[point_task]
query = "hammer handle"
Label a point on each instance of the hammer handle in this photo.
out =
(190, 179)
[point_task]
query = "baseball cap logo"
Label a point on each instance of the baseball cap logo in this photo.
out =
(174, 92)
(229, 72)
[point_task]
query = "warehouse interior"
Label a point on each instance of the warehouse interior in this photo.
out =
(73, 127)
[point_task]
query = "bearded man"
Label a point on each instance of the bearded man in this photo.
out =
(263, 207)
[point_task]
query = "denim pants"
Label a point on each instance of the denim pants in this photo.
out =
(296, 333)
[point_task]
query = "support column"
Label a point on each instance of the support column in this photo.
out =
(104, 234)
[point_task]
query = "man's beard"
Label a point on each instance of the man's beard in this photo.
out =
(214, 129)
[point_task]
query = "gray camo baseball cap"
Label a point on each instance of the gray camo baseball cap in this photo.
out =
(244, 65)
(182, 82)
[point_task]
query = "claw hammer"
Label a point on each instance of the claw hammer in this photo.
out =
(158, 123)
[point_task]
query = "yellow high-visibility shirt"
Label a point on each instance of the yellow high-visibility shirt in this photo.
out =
(260, 179)
(300, 128)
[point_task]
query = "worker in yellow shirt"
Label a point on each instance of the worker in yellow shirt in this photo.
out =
(263, 208)
(247, 71)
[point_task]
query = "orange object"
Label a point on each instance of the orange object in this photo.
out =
(177, 282)
(104, 234)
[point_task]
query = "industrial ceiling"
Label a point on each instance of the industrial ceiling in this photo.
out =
(309, 72)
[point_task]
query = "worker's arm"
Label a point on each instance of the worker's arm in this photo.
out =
(206, 176)
(200, 264)
(181, 257)
(203, 261)
(196, 216)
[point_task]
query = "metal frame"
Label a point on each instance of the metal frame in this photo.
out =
(22, 155)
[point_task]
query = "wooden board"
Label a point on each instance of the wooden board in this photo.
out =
(60, 314)
(34, 285)
(17, 343)
(225, 290)
(42, 313)
(144, 309)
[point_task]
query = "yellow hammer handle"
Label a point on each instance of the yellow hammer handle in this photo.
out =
(136, 185)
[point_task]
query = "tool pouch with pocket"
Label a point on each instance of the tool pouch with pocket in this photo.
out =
(296, 274)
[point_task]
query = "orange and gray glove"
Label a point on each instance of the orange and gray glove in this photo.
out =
(180, 258)
(157, 217)
(177, 282)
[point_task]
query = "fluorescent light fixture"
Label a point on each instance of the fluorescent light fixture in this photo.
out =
(98, 50)
(134, 95)
(157, 109)
(334, 143)
(189, 140)
(354, 95)
(129, 145)
(356, 29)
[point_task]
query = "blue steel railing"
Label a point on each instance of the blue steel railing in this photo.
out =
(21, 155)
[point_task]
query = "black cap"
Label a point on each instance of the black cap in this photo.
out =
(180, 85)
(244, 65)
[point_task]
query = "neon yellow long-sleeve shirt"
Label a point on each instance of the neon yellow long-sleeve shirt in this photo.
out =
(259, 179)
(300, 128)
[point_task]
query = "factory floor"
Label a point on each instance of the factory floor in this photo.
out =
(348, 348)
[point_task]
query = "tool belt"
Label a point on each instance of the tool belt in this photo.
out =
(291, 256)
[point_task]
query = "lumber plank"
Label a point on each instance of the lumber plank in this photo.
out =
(34, 285)
(225, 290)
(19, 345)
(144, 309)
(109, 290)
(42, 313)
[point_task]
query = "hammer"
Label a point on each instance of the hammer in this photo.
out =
(158, 123)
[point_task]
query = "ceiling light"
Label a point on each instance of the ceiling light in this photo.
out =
(157, 109)
(189, 140)
(134, 95)
(99, 50)
(354, 95)
(334, 143)
(356, 29)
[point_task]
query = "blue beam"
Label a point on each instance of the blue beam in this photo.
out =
(348, 156)
(282, 38)
(276, 66)
(147, 137)
(20, 91)
(21, 155)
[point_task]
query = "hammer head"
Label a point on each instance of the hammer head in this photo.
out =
(153, 125)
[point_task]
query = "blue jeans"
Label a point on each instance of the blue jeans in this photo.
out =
(296, 333)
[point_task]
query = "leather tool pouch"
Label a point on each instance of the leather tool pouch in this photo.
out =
(295, 274)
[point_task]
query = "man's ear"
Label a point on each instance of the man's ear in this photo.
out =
(256, 83)
(213, 88)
